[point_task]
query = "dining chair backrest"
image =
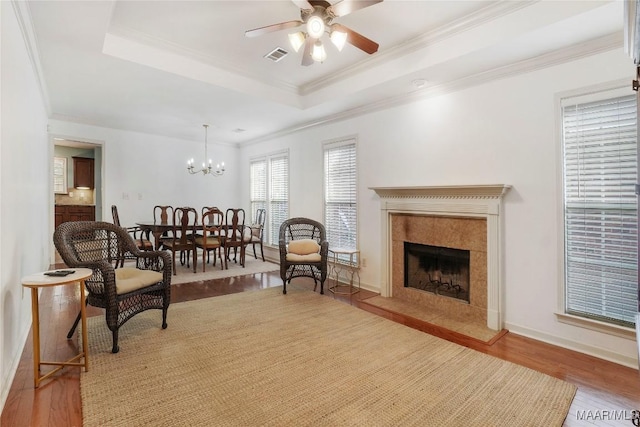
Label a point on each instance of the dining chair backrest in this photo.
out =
(205, 209)
(185, 221)
(257, 227)
(212, 222)
(235, 228)
(162, 214)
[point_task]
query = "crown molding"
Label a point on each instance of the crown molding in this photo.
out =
(194, 55)
(557, 57)
(436, 35)
(23, 16)
(93, 123)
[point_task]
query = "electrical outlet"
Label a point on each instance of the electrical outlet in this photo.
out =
(364, 262)
(139, 196)
(125, 196)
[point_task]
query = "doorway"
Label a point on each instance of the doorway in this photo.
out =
(77, 184)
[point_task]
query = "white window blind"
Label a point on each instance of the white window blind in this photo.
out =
(600, 209)
(258, 187)
(278, 210)
(340, 194)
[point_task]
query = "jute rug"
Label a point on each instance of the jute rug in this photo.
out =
(301, 359)
(252, 266)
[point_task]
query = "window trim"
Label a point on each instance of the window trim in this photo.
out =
(335, 143)
(585, 94)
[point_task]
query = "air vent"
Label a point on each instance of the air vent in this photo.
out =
(239, 130)
(276, 54)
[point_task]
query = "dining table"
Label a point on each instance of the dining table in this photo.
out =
(156, 229)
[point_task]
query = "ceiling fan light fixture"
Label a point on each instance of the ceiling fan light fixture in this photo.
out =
(318, 53)
(296, 40)
(315, 27)
(338, 38)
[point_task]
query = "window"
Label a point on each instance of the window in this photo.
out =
(270, 191)
(340, 194)
(600, 207)
(60, 175)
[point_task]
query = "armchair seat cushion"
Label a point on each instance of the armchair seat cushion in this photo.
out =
(131, 279)
(303, 247)
(304, 258)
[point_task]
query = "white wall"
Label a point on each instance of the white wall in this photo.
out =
(502, 132)
(141, 171)
(25, 192)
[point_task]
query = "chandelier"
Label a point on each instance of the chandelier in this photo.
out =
(206, 169)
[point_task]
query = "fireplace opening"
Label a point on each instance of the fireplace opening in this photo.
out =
(436, 269)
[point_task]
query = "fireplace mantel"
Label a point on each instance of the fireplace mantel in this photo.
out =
(449, 191)
(472, 201)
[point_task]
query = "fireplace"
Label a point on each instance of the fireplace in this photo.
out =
(460, 218)
(440, 270)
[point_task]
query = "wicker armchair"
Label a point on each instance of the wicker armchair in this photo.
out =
(308, 256)
(144, 283)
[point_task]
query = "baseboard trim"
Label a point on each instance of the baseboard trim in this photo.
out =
(598, 352)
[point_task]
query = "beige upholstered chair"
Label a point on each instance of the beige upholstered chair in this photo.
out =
(303, 251)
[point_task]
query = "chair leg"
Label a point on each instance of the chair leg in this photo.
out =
(164, 318)
(75, 323)
(73, 328)
(261, 252)
(254, 251)
(115, 348)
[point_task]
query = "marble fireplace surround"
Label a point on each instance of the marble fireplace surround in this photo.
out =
(465, 212)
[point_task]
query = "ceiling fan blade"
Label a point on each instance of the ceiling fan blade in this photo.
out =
(271, 28)
(306, 53)
(345, 7)
(302, 4)
(357, 39)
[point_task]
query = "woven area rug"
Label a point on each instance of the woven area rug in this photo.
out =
(252, 266)
(263, 358)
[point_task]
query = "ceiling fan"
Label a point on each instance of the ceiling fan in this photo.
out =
(318, 16)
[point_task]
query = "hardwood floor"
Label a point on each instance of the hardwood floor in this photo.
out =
(602, 386)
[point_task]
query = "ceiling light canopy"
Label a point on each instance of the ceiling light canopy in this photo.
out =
(315, 27)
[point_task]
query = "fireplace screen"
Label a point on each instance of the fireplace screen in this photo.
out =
(442, 271)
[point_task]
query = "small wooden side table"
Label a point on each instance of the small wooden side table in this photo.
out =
(40, 280)
(350, 268)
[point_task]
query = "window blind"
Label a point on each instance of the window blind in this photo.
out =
(600, 209)
(340, 192)
(258, 190)
(278, 195)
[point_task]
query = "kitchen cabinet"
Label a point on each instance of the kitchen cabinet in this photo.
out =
(83, 171)
(65, 213)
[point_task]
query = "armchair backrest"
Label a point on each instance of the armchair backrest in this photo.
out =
(301, 228)
(81, 243)
(257, 228)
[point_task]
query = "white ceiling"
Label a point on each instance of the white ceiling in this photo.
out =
(167, 67)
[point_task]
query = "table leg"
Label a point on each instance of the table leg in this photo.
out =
(35, 330)
(156, 239)
(83, 316)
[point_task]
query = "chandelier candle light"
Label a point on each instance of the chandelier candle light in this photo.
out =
(206, 170)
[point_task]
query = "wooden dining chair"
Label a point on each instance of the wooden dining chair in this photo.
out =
(212, 238)
(257, 232)
(142, 242)
(237, 235)
(184, 226)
